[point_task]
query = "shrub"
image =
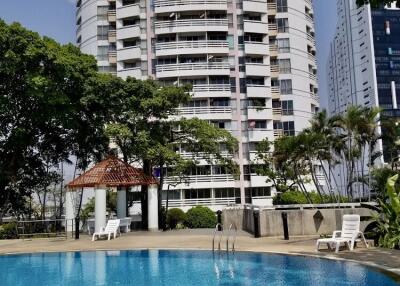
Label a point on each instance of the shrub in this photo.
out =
(8, 231)
(297, 197)
(200, 217)
(175, 217)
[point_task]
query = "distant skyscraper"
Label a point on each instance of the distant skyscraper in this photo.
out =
(251, 64)
(364, 63)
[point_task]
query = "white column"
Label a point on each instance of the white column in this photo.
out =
(100, 207)
(121, 203)
(69, 210)
(152, 205)
(394, 97)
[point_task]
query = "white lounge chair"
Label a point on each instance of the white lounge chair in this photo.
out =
(349, 234)
(111, 228)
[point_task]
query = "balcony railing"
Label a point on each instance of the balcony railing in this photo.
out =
(203, 110)
(211, 88)
(275, 69)
(272, 7)
(191, 45)
(202, 202)
(192, 66)
(277, 111)
(272, 27)
(205, 179)
(169, 3)
(278, 132)
(190, 23)
(202, 156)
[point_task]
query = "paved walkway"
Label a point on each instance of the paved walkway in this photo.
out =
(201, 239)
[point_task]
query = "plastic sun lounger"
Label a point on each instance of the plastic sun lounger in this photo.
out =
(349, 234)
(111, 228)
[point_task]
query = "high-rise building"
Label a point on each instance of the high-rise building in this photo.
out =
(364, 65)
(251, 64)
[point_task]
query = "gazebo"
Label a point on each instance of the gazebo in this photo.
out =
(113, 173)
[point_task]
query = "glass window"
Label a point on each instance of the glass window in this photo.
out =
(288, 128)
(284, 66)
(282, 6)
(283, 25)
(283, 45)
(102, 32)
(286, 86)
(287, 107)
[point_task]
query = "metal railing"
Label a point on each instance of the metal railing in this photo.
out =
(45, 228)
(191, 45)
(193, 66)
(203, 110)
(220, 232)
(191, 23)
(211, 87)
(232, 232)
(169, 3)
(202, 202)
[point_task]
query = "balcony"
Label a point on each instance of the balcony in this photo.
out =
(312, 59)
(311, 40)
(132, 72)
(255, 27)
(129, 53)
(112, 36)
(203, 181)
(272, 29)
(275, 92)
(260, 91)
(277, 113)
(207, 112)
(112, 57)
(192, 25)
(255, 5)
(257, 135)
(256, 69)
(128, 11)
(169, 6)
(193, 69)
(259, 113)
(272, 9)
(128, 32)
(274, 71)
(255, 48)
(211, 90)
(192, 47)
(112, 16)
(273, 50)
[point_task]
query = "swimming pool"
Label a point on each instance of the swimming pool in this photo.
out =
(172, 268)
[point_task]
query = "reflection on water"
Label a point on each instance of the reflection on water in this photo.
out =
(171, 268)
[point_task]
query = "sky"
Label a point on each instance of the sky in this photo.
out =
(56, 19)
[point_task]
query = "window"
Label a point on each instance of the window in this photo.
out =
(198, 194)
(172, 194)
(129, 43)
(282, 6)
(130, 21)
(260, 124)
(284, 66)
(102, 13)
(287, 107)
(286, 86)
(283, 45)
(227, 193)
(102, 53)
(102, 32)
(261, 192)
(283, 25)
(288, 128)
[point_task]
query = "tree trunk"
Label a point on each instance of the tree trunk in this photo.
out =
(315, 181)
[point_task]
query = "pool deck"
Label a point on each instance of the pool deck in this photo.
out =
(202, 239)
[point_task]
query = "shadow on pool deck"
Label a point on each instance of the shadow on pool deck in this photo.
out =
(202, 239)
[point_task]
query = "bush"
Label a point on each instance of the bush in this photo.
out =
(175, 217)
(8, 231)
(297, 197)
(200, 217)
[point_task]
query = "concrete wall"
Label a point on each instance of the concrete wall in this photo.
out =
(300, 221)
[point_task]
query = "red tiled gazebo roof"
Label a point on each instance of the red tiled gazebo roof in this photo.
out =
(112, 172)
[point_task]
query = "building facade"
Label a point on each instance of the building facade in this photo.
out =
(364, 65)
(251, 64)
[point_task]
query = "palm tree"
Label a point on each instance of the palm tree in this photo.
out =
(350, 124)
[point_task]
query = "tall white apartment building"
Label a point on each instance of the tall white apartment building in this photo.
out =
(364, 66)
(251, 64)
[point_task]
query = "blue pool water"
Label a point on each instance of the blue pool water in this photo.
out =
(172, 268)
